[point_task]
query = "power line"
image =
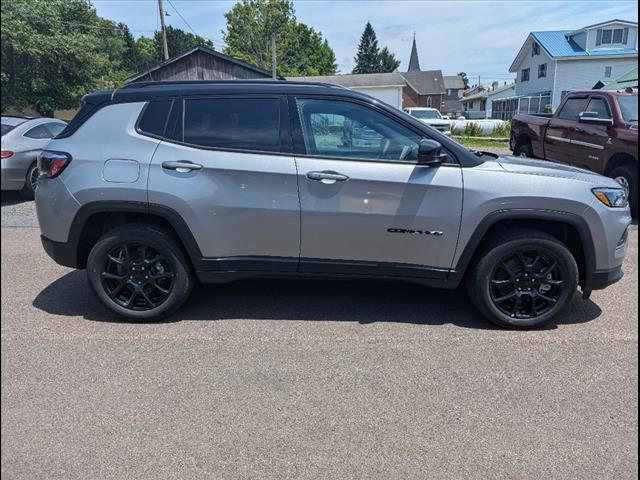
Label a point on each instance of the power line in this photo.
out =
(183, 19)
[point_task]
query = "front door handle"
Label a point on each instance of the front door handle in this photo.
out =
(327, 177)
(182, 166)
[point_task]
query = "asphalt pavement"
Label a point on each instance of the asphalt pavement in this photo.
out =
(308, 380)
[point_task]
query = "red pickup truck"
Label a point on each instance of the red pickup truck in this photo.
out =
(593, 129)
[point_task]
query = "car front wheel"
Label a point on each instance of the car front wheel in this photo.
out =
(523, 279)
(140, 272)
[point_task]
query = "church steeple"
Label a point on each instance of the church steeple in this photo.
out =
(414, 64)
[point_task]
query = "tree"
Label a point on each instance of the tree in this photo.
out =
(55, 51)
(388, 62)
(465, 79)
(370, 59)
(178, 42)
(300, 50)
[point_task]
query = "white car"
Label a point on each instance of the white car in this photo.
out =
(432, 117)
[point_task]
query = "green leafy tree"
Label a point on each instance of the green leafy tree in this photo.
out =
(300, 50)
(178, 42)
(388, 61)
(465, 79)
(369, 58)
(53, 52)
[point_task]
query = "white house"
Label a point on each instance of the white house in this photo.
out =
(482, 104)
(551, 64)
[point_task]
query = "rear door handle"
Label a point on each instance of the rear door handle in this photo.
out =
(327, 177)
(182, 166)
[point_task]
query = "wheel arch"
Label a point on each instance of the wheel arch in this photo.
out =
(572, 230)
(96, 218)
(620, 159)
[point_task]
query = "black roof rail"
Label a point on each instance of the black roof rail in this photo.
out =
(258, 81)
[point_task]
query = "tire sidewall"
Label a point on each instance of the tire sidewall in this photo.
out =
(486, 266)
(157, 241)
(525, 148)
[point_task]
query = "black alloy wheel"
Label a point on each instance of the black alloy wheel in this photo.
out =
(526, 284)
(136, 276)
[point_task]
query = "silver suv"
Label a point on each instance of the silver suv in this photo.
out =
(156, 184)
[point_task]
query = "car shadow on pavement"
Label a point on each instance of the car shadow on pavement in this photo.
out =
(11, 198)
(314, 300)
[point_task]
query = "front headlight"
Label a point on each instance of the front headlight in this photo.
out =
(612, 197)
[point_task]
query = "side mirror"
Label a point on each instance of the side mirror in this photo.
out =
(593, 118)
(430, 152)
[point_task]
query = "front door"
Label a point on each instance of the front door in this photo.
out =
(561, 129)
(589, 141)
(225, 170)
(367, 206)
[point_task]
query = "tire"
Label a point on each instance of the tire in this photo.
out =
(524, 150)
(629, 175)
(30, 183)
(490, 281)
(161, 277)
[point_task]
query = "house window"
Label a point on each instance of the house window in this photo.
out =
(607, 72)
(471, 105)
(525, 74)
(535, 50)
(483, 104)
(542, 70)
(429, 103)
(612, 36)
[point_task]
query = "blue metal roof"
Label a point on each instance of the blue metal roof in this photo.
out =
(558, 44)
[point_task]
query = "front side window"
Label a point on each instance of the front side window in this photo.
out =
(542, 70)
(233, 123)
(525, 75)
(598, 105)
(572, 108)
(333, 128)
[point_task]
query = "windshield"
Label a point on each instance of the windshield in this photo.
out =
(7, 128)
(426, 114)
(628, 107)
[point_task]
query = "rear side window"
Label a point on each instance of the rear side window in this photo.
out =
(233, 123)
(7, 128)
(55, 128)
(154, 118)
(39, 132)
(572, 108)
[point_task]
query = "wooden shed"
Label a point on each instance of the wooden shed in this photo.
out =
(201, 63)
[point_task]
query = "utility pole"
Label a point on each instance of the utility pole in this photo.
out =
(273, 56)
(165, 47)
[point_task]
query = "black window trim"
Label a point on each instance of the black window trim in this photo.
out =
(300, 148)
(285, 149)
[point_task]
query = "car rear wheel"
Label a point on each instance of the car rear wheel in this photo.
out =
(140, 272)
(627, 176)
(523, 279)
(31, 182)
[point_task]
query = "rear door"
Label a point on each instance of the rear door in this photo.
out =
(226, 167)
(561, 130)
(367, 206)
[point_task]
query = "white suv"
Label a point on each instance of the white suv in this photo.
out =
(431, 117)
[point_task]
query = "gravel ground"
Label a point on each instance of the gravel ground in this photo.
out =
(17, 212)
(307, 380)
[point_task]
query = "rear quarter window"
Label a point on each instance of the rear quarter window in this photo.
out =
(154, 118)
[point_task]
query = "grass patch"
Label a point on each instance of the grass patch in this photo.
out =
(475, 143)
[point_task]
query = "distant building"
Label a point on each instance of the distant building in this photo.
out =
(201, 63)
(551, 64)
(495, 102)
(628, 80)
(414, 88)
(453, 92)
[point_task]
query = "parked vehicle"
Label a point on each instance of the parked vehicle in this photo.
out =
(157, 184)
(594, 129)
(22, 139)
(432, 117)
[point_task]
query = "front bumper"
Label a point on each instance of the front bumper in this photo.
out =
(601, 279)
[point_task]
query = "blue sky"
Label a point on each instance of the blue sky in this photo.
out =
(478, 37)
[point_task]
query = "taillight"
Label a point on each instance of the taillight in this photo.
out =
(7, 154)
(51, 164)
